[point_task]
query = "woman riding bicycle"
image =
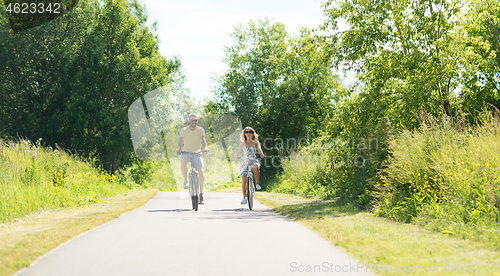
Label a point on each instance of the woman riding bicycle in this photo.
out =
(250, 144)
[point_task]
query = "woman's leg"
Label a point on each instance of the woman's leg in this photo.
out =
(256, 173)
(244, 186)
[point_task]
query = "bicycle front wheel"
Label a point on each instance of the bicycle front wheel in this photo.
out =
(250, 192)
(195, 202)
(194, 189)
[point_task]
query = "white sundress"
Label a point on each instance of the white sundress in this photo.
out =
(248, 153)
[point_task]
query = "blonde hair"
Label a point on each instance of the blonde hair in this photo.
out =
(244, 138)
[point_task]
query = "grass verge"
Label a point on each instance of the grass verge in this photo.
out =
(26, 239)
(383, 242)
(229, 187)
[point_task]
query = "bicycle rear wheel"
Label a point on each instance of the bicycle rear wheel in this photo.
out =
(250, 192)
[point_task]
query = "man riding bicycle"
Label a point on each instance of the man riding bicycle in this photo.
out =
(193, 138)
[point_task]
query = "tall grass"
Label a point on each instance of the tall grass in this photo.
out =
(303, 173)
(34, 178)
(446, 177)
(327, 168)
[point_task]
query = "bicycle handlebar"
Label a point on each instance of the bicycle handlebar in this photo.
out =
(241, 158)
(200, 152)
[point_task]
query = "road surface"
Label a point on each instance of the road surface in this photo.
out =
(166, 237)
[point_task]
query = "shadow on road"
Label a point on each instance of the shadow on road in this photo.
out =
(230, 210)
(170, 211)
(239, 214)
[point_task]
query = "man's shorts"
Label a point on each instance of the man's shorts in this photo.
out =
(198, 160)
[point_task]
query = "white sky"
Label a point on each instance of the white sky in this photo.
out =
(198, 30)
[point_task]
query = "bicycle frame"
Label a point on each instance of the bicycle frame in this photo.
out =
(250, 191)
(193, 180)
(193, 185)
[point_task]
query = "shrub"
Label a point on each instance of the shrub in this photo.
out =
(34, 178)
(444, 175)
(142, 172)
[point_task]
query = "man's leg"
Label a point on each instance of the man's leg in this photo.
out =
(184, 169)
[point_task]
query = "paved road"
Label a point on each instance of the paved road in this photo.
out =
(166, 237)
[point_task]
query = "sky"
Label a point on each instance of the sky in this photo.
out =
(197, 30)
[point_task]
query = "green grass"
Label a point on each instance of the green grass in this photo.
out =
(446, 179)
(376, 241)
(34, 178)
(24, 240)
(444, 176)
(229, 187)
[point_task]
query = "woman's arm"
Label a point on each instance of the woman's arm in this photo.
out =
(260, 150)
(239, 149)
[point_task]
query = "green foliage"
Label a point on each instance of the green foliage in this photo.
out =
(142, 172)
(60, 174)
(410, 58)
(302, 175)
(332, 168)
(71, 81)
(479, 38)
(445, 176)
(414, 56)
(34, 178)
(282, 86)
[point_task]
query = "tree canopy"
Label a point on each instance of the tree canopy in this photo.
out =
(70, 81)
(281, 85)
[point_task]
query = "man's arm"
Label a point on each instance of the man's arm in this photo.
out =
(204, 143)
(179, 145)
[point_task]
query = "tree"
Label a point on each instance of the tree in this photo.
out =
(403, 52)
(282, 86)
(479, 38)
(71, 81)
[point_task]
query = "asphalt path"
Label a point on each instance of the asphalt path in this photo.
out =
(166, 237)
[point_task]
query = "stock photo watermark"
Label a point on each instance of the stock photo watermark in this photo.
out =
(321, 151)
(360, 267)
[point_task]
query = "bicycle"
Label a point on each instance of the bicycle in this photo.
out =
(193, 180)
(250, 184)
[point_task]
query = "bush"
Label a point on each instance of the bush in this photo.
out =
(329, 168)
(142, 172)
(34, 178)
(444, 175)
